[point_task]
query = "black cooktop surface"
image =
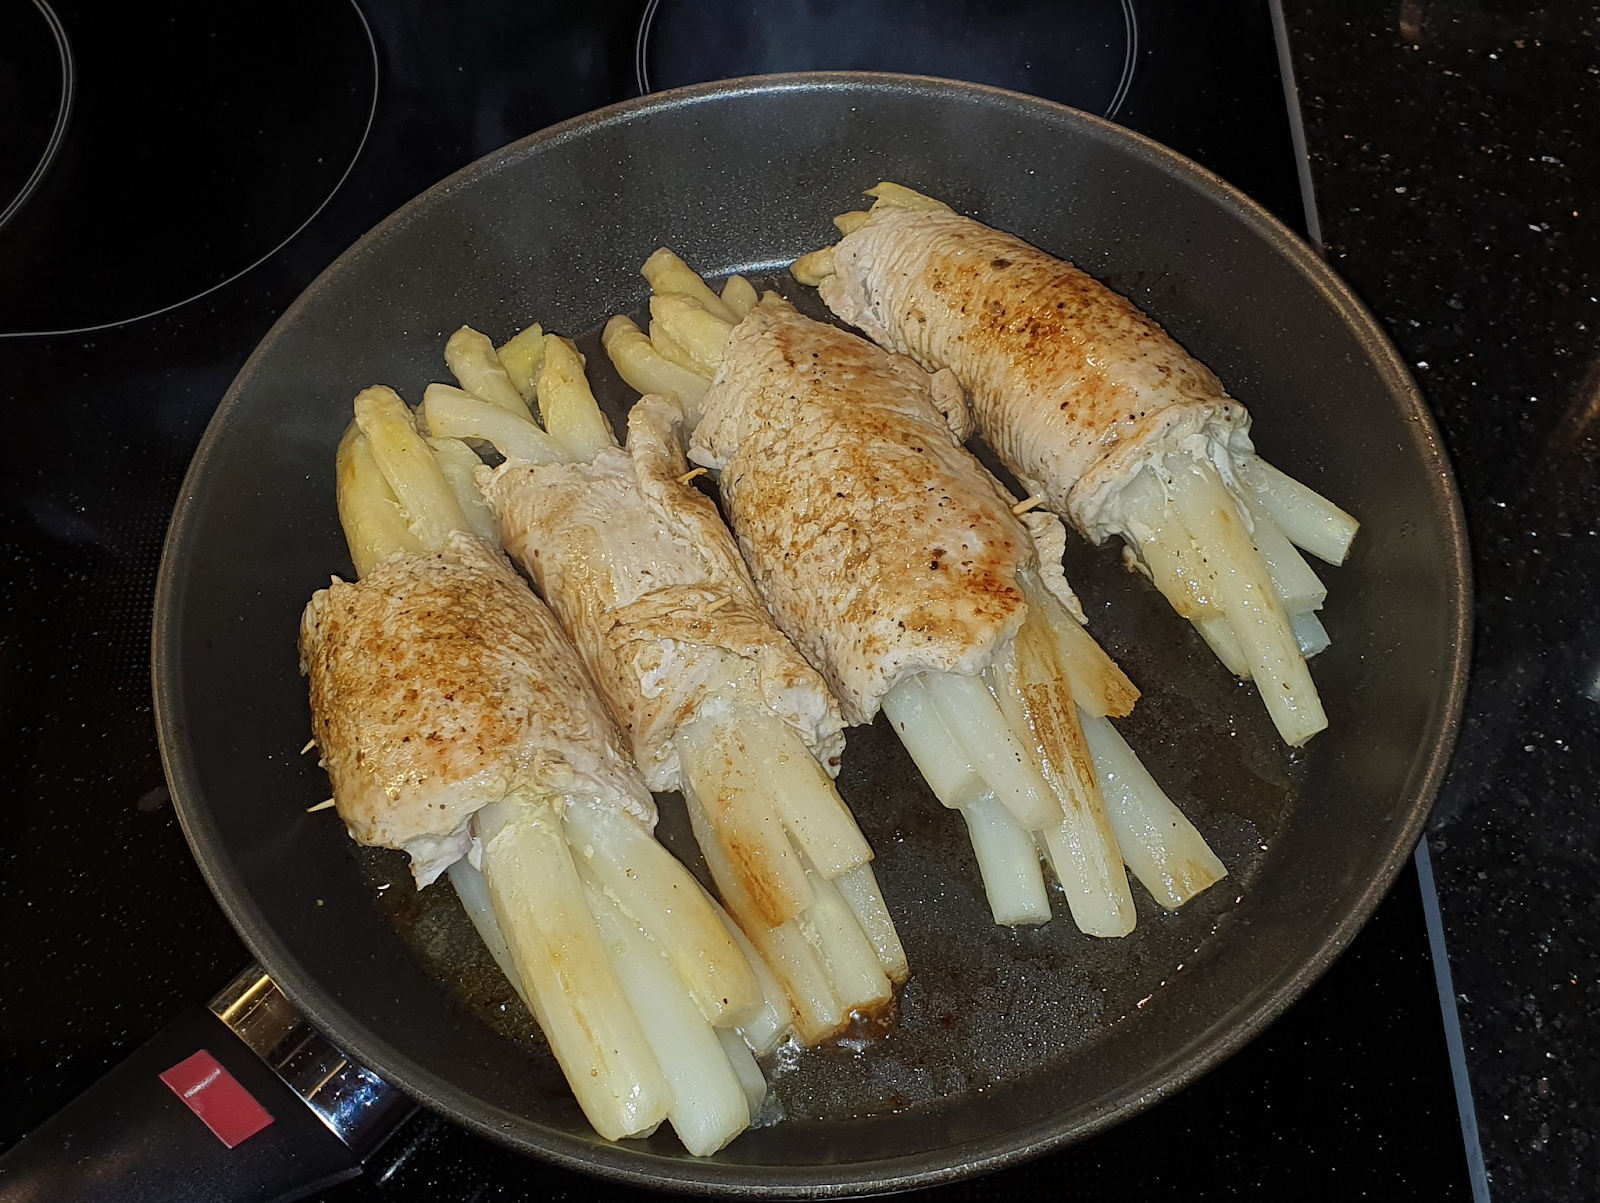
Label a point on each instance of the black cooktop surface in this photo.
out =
(213, 161)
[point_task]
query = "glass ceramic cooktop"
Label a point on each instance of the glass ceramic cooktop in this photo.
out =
(203, 156)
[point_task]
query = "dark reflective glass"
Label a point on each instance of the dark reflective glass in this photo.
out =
(1080, 54)
(32, 73)
(187, 161)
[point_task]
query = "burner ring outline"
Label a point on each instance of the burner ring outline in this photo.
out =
(1130, 54)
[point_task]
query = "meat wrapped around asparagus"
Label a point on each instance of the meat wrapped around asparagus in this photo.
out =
(898, 565)
(456, 723)
(717, 704)
(1107, 420)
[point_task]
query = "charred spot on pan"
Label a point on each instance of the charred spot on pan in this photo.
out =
(999, 264)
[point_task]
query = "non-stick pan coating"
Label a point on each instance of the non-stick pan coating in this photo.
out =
(1011, 1042)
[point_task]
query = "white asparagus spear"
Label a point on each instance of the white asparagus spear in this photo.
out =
(1190, 530)
(1309, 519)
(1309, 633)
(1007, 859)
(1035, 695)
(687, 332)
(1216, 631)
(718, 768)
(1008, 862)
(570, 414)
(1021, 746)
(814, 1008)
(710, 1071)
(1161, 846)
(1245, 591)
(374, 524)
(457, 462)
(453, 413)
(1166, 548)
(669, 274)
(477, 369)
(664, 898)
(709, 1105)
(408, 465)
(644, 368)
(968, 708)
(522, 355)
(473, 891)
(739, 295)
(1194, 535)
(577, 998)
(765, 1027)
(849, 223)
(571, 418)
(1297, 586)
(814, 268)
(802, 794)
(1097, 682)
(861, 893)
(745, 1068)
(938, 751)
(852, 962)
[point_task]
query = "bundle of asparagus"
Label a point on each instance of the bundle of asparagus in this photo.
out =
(647, 582)
(1107, 420)
(457, 723)
(905, 573)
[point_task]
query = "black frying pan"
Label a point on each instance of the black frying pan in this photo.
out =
(1065, 1035)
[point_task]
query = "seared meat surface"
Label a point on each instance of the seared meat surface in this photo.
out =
(882, 546)
(1071, 384)
(646, 578)
(440, 684)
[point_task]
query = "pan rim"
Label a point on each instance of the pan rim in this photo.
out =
(636, 1167)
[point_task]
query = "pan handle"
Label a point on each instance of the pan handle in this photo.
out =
(242, 1100)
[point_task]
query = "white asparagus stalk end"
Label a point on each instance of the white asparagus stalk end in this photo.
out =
(375, 526)
(522, 355)
(477, 368)
(409, 466)
(814, 268)
(567, 405)
(669, 274)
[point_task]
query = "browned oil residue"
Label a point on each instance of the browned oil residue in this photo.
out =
(868, 1025)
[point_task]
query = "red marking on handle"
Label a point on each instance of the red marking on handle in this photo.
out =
(214, 1094)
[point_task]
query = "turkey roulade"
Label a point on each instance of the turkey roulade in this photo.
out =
(646, 580)
(1108, 421)
(457, 723)
(914, 582)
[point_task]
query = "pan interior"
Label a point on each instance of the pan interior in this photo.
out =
(1008, 1041)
